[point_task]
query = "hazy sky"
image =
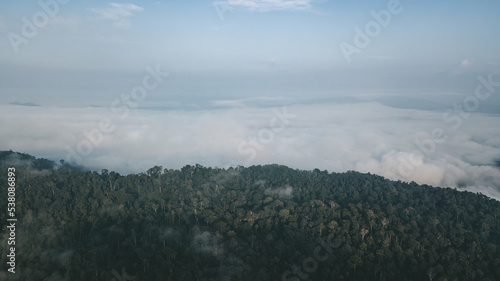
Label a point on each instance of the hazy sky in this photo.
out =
(87, 52)
(369, 85)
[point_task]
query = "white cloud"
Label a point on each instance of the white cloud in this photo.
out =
(118, 12)
(270, 61)
(466, 63)
(269, 5)
(366, 137)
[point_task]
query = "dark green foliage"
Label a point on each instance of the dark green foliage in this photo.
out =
(25, 161)
(252, 223)
(29, 163)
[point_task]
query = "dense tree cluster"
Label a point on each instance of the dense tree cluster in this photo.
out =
(255, 223)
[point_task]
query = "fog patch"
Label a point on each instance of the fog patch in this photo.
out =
(206, 243)
(338, 137)
(280, 191)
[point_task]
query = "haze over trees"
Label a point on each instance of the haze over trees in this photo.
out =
(254, 223)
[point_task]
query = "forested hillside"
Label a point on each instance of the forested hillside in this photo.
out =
(257, 223)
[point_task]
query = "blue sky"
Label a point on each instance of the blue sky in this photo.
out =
(233, 64)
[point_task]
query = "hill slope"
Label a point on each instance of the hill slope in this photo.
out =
(257, 223)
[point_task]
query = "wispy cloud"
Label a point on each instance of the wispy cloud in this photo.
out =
(269, 5)
(118, 13)
(280, 191)
(64, 21)
(270, 61)
(494, 63)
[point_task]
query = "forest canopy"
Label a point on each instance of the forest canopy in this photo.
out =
(243, 223)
